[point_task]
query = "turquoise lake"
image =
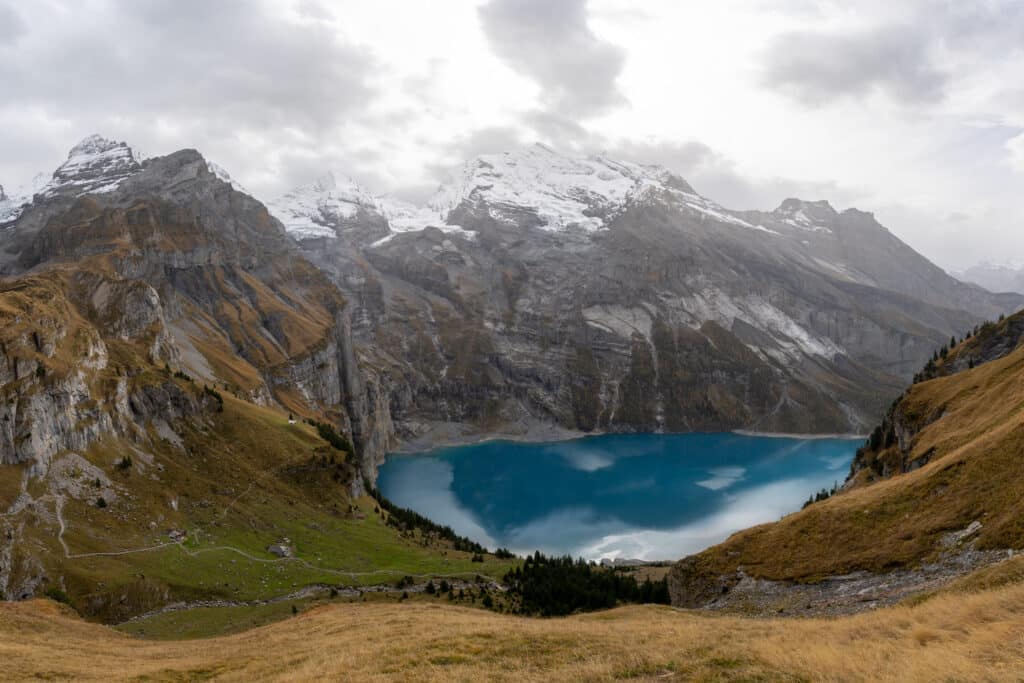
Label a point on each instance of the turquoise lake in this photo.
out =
(638, 496)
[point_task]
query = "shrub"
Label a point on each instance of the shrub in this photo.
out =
(57, 595)
(329, 434)
(215, 395)
(101, 502)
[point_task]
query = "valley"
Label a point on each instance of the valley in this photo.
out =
(200, 391)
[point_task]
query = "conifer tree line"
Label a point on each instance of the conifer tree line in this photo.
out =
(557, 586)
(403, 518)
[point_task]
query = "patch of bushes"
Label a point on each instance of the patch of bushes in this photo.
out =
(329, 434)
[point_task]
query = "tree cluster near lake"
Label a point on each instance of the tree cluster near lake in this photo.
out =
(557, 586)
(404, 518)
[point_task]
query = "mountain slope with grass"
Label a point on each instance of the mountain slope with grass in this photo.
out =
(933, 494)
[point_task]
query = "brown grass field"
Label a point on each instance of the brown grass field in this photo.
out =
(953, 636)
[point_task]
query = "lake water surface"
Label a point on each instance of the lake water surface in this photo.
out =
(643, 496)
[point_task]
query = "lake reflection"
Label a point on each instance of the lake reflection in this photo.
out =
(643, 496)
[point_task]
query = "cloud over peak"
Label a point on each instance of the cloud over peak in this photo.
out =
(552, 44)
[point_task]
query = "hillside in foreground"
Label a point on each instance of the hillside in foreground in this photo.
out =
(960, 635)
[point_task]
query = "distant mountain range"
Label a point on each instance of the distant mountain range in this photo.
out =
(993, 277)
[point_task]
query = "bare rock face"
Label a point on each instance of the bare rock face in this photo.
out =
(691, 587)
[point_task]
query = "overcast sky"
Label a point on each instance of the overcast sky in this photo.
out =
(911, 109)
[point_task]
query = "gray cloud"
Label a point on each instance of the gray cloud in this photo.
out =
(815, 68)
(219, 76)
(197, 58)
(551, 43)
(11, 24)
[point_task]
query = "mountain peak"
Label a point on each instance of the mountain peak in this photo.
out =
(792, 205)
(816, 216)
(95, 165)
(94, 144)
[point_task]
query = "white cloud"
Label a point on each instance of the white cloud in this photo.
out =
(1016, 148)
(722, 478)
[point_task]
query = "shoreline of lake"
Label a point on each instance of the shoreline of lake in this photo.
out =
(451, 435)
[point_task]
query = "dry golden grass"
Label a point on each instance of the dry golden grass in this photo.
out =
(966, 637)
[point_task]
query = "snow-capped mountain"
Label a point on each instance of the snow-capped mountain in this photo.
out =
(318, 210)
(567, 193)
(94, 166)
(559, 192)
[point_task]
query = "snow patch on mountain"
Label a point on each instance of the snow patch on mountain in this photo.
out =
(310, 210)
(810, 216)
(224, 176)
(405, 217)
(792, 340)
(314, 210)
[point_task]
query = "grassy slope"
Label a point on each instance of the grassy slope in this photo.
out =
(247, 480)
(955, 637)
(976, 473)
